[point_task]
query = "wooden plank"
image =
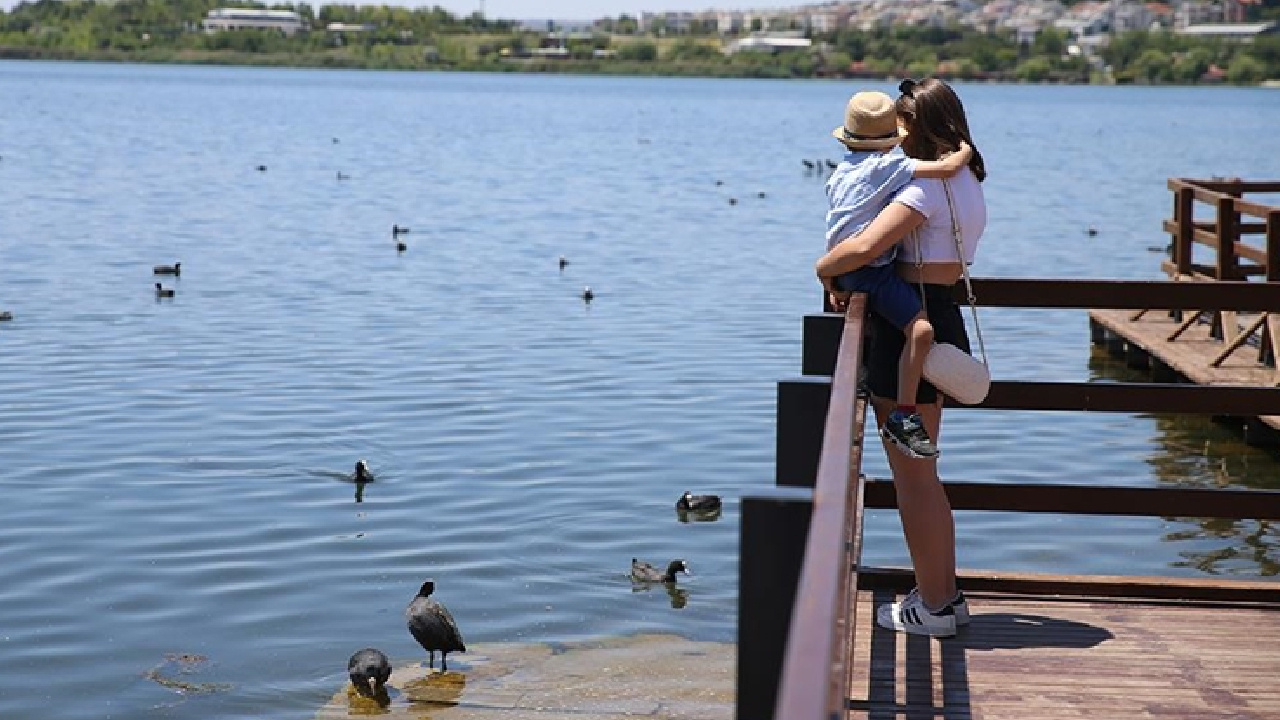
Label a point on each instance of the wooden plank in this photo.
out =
(1207, 591)
(1243, 400)
(1095, 500)
(1123, 294)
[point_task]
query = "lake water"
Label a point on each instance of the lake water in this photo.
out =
(175, 471)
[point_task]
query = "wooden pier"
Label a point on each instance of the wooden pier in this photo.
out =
(1040, 646)
(1210, 345)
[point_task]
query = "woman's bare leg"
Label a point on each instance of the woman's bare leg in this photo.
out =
(924, 510)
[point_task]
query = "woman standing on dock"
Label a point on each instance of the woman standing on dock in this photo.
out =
(921, 214)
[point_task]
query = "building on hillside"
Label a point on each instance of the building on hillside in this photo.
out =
(767, 44)
(285, 21)
(340, 27)
(1239, 32)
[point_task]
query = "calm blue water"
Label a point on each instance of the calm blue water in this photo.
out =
(174, 470)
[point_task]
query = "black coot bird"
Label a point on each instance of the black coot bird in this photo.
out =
(644, 572)
(174, 269)
(563, 261)
(432, 626)
(362, 473)
(369, 666)
(689, 502)
(163, 292)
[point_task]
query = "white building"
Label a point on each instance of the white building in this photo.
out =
(767, 44)
(285, 21)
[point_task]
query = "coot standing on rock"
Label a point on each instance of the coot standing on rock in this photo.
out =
(432, 626)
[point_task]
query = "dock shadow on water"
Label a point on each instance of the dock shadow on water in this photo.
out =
(1201, 452)
(649, 675)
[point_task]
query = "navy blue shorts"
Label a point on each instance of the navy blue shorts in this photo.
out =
(887, 293)
(885, 343)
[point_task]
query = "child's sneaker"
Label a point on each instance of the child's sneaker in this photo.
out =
(959, 605)
(911, 616)
(908, 433)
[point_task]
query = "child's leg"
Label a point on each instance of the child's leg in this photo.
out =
(919, 338)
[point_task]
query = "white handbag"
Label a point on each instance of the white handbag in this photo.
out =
(956, 373)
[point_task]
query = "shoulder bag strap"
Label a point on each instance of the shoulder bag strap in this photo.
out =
(964, 266)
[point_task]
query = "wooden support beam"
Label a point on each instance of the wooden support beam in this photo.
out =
(1240, 339)
(772, 540)
(1095, 500)
(821, 340)
(802, 414)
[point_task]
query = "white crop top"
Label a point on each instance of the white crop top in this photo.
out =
(933, 239)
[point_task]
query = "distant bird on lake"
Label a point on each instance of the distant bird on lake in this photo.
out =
(831, 165)
(719, 183)
(588, 295)
(163, 292)
(343, 176)
(401, 246)
(369, 670)
(1093, 231)
(262, 168)
(174, 269)
(397, 231)
(760, 194)
(335, 141)
(362, 473)
(563, 262)
(689, 502)
(432, 626)
(646, 573)
(733, 201)
(808, 164)
(5, 316)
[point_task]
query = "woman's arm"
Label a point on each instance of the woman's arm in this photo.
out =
(891, 225)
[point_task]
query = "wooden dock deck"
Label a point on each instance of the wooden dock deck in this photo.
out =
(1035, 657)
(1144, 343)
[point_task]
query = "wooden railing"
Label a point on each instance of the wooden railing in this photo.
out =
(1226, 234)
(1235, 220)
(797, 564)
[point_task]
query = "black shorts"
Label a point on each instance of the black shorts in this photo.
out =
(885, 342)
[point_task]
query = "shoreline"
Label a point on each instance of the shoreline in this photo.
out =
(541, 67)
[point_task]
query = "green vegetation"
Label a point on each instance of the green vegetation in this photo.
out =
(431, 38)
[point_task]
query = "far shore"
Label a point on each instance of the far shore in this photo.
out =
(324, 61)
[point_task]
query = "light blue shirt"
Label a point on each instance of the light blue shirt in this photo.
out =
(859, 188)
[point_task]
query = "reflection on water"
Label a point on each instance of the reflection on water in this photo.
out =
(686, 516)
(679, 596)
(361, 703)
(1201, 453)
(442, 689)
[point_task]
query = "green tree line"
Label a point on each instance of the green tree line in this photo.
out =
(423, 38)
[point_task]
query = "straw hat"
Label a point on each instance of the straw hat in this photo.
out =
(870, 122)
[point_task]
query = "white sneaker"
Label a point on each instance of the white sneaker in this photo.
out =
(910, 616)
(959, 605)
